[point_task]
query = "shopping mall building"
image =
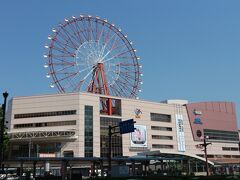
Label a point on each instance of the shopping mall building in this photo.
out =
(75, 125)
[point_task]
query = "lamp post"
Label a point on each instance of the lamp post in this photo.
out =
(204, 145)
(5, 95)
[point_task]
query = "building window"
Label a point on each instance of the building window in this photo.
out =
(235, 156)
(68, 154)
(115, 103)
(160, 128)
(45, 124)
(88, 116)
(160, 117)
(162, 146)
(105, 122)
(221, 135)
(44, 114)
(230, 149)
(162, 137)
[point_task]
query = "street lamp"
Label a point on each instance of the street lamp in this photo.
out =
(204, 145)
(5, 95)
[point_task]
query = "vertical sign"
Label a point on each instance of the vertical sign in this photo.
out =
(180, 133)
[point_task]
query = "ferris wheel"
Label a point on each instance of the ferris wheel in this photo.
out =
(87, 53)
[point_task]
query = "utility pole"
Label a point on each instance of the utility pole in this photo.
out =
(204, 145)
(5, 95)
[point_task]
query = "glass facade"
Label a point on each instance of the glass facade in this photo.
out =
(116, 138)
(160, 117)
(34, 149)
(221, 135)
(88, 116)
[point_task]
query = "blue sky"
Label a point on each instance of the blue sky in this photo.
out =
(189, 49)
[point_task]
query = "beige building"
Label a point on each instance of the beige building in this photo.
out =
(75, 125)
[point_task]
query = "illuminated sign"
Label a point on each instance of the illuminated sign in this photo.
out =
(47, 155)
(197, 121)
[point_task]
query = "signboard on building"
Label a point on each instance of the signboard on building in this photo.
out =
(138, 138)
(180, 133)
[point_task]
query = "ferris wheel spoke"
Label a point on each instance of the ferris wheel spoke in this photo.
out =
(123, 93)
(90, 72)
(127, 75)
(124, 86)
(85, 28)
(106, 39)
(72, 38)
(114, 91)
(96, 30)
(62, 51)
(103, 49)
(87, 68)
(64, 45)
(62, 55)
(118, 93)
(91, 29)
(128, 69)
(126, 64)
(116, 56)
(126, 80)
(62, 63)
(78, 86)
(115, 42)
(75, 31)
(70, 75)
(80, 32)
(64, 68)
(65, 38)
(69, 36)
(100, 34)
(120, 46)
